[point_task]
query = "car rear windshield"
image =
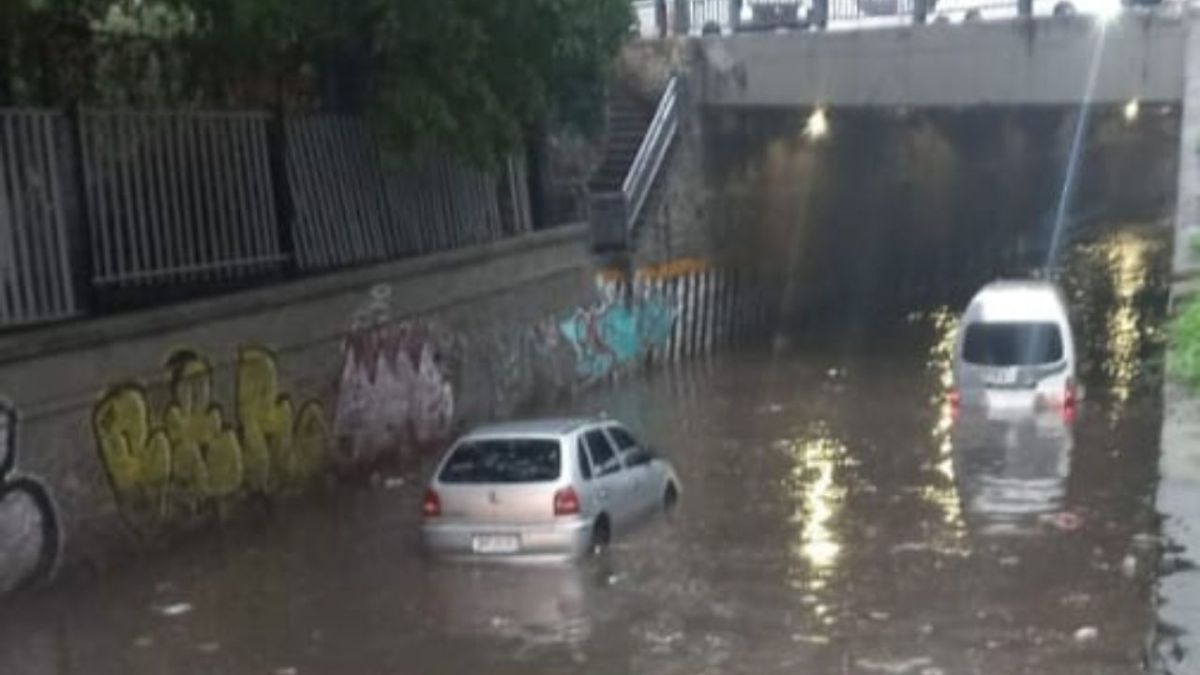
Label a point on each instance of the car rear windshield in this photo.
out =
(1012, 344)
(503, 461)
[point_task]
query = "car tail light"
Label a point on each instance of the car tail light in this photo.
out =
(431, 506)
(954, 398)
(566, 502)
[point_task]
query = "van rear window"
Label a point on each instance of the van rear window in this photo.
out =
(1012, 344)
(516, 460)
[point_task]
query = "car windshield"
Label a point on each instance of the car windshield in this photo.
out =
(1012, 344)
(518, 460)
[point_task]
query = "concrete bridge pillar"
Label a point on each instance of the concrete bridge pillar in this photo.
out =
(1187, 224)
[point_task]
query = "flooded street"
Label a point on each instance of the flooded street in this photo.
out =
(836, 518)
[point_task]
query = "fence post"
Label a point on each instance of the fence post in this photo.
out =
(820, 14)
(735, 15)
(1025, 8)
(682, 17)
(281, 191)
(79, 229)
(920, 11)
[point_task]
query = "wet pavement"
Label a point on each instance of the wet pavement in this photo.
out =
(836, 519)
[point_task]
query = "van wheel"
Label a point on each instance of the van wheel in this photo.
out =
(670, 499)
(601, 535)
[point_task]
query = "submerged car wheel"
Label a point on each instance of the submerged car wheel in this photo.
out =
(670, 498)
(601, 535)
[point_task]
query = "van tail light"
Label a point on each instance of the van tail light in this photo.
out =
(1070, 394)
(566, 502)
(1070, 400)
(431, 506)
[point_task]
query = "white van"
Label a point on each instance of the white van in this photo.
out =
(1015, 351)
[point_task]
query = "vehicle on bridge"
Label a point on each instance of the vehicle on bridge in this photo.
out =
(543, 490)
(1015, 352)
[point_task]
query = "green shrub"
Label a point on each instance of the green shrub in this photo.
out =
(1185, 343)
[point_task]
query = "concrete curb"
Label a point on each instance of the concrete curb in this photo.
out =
(88, 332)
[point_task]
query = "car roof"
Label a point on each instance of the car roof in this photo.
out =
(557, 426)
(1018, 300)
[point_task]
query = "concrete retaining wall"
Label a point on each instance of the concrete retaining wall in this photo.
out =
(120, 431)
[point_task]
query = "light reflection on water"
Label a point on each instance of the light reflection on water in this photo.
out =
(1126, 256)
(1122, 263)
(940, 364)
(818, 498)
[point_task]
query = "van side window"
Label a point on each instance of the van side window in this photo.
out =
(585, 464)
(604, 458)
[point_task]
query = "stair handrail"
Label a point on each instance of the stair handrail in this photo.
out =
(651, 153)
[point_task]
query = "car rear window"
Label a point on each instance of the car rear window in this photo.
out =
(503, 461)
(1012, 344)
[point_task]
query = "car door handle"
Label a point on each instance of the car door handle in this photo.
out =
(603, 493)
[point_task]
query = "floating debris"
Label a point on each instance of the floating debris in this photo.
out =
(1129, 566)
(1087, 634)
(900, 667)
(174, 609)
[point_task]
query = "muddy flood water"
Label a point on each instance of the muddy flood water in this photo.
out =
(835, 519)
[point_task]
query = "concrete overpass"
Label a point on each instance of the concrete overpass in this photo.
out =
(1039, 62)
(1149, 57)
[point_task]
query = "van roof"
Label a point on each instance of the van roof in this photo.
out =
(1018, 300)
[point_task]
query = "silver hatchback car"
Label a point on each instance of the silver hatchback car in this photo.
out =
(542, 490)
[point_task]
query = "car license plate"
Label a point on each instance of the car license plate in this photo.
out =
(1011, 400)
(496, 543)
(1000, 376)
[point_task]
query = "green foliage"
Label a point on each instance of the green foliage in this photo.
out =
(1185, 343)
(474, 75)
(478, 76)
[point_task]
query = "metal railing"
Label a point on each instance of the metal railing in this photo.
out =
(652, 152)
(35, 257)
(615, 215)
(108, 210)
(178, 197)
(729, 16)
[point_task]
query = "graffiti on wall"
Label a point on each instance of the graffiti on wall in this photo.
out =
(29, 530)
(524, 361)
(618, 330)
(196, 458)
(395, 392)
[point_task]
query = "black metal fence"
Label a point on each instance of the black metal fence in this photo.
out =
(728, 16)
(36, 283)
(102, 210)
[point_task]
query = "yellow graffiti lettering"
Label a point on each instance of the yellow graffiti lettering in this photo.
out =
(137, 457)
(193, 461)
(285, 454)
(205, 457)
